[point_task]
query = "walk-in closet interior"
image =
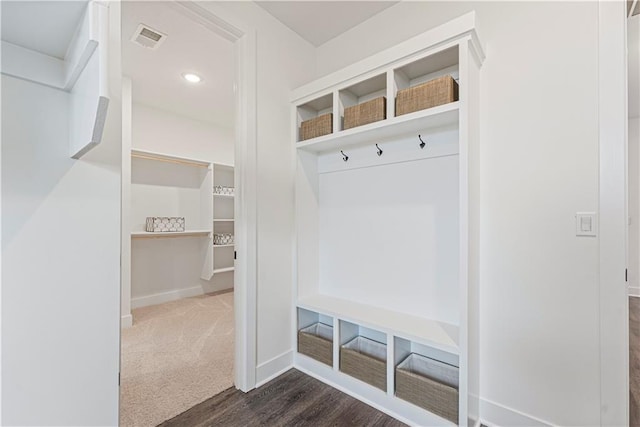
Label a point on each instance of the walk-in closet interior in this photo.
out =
(178, 213)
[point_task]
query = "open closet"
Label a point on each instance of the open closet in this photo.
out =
(178, 213)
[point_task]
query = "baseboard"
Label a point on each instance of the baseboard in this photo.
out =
(273, 368)
(634, 291)
(493, 414)
(166, 297)
(126, 321)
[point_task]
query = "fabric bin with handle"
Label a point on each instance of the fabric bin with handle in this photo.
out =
(318, 126)
(365, 360)
(316, 341)
(365, 113)
(426, 95)
(430, 384)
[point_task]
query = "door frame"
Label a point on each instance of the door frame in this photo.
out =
(612, 211)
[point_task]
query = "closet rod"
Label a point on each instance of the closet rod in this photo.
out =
(161, 159)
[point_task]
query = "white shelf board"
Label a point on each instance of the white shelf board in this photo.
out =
(223, 270)
(417, 122)
(439, 335)
(223, 195)
(224, 246)
(223, 220)
(150, 155)
(159, 235)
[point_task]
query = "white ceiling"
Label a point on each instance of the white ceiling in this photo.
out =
(320, 21)
(189, 47)
(44, 26)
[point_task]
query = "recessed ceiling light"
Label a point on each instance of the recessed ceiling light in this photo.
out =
(192, 78)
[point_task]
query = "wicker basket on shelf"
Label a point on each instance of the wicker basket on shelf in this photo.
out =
(430, 384)
(365, 360)
(316, 341)
(365, 113)
(318, 126)
(426, 95)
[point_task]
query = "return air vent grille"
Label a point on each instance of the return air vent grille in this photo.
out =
(146, 36)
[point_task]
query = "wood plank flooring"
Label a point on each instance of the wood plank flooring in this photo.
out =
(292, 399)
(634, 361)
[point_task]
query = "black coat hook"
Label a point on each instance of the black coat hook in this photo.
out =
(422, 143)
(379, 150)
(344, 156)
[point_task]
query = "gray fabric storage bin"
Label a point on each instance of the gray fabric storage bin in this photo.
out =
(316, 341)
(365, 360)
(430, 384)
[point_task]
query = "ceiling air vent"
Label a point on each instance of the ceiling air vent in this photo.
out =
(147, 37)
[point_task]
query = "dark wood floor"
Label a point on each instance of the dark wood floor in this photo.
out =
(292, 399)
(634, 361)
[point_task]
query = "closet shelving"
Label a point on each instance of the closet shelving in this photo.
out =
(387, 220)
(223, 218)
(169, 185)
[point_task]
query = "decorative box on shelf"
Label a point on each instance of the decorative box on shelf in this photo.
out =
(224, 190)
(365, 360)
(164, 224)
(318, 126)
(223, 239)
(430, 384)
(365, 113)
(316, 341)
(442, 90)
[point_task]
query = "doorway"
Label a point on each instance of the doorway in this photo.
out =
(183, 289)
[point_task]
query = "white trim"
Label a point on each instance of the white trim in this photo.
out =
(494, 414)
(163, 297)
(613, 218)
(273, 368)
(634, 291)
(126, 321)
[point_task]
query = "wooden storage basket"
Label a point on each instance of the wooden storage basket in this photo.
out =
(316, 341)
(365, 113)
(430, 384)
(318, 126)
(426, 95)
(365, 360)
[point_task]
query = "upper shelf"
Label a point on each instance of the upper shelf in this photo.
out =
(149, 155)
(156, 235)
(418, 122)
(442, 336)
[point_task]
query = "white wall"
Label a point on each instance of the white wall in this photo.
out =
(284, 62)
(539, 160)
(166, 269)
(61, 257)
(165, 132)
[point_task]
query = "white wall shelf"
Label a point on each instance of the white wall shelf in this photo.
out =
(386, 232)
(161, 157)
(224, 219)
(436, 334)
(415, 123)
(173, 234)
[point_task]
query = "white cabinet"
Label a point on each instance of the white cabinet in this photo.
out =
(387, 215)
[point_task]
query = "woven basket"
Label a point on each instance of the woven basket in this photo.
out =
(430, 384)
(365, 113)
(426, 95)
(318, 126)
(365, 360)
(316, 341)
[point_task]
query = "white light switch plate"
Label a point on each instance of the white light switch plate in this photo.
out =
(586, 224)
